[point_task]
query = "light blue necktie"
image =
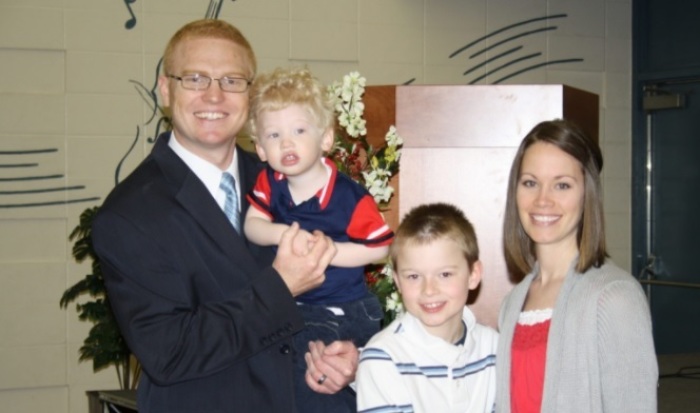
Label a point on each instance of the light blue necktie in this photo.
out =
(228, 185)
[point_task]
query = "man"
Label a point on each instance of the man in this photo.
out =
(210, 325)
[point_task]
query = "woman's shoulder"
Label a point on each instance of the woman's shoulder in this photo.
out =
(609, 279)
(609, 272)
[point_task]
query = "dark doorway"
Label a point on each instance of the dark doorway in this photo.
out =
(672, 270)
(666, 168)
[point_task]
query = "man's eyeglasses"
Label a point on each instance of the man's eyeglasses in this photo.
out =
(201, 82)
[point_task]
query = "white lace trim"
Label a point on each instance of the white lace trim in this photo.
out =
(532, 317)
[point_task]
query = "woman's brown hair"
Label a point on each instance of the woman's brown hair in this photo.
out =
(518, 247)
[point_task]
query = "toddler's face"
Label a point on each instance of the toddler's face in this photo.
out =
(290, 140)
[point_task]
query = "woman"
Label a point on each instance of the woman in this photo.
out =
(576, 332)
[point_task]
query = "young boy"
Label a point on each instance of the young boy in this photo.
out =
(291, 122)
(434, 358)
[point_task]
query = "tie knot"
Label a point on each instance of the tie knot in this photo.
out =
(228, 183)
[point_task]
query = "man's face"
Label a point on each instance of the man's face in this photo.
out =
(206, 122)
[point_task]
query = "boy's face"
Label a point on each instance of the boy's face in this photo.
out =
(291, 142)
(434, 280)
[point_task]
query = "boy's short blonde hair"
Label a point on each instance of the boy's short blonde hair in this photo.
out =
(284, 87)
(429, 222)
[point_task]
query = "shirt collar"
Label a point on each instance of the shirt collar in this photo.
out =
(323, 194)
(207, 172)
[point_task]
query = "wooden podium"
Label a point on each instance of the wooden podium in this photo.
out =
(459, 142)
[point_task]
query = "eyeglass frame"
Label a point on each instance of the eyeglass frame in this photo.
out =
(219, 80)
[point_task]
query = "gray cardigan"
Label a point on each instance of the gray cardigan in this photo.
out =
(600, 351)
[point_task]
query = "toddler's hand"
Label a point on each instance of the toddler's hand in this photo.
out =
(303, 242)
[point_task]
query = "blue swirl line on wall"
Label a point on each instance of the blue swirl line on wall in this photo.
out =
(17, 174)
(49, 203)
(487, 61)
(537, 66)
(43, 190)
(511, 53)
(503, 66)
(508, 39)
(18, 165)
(31, 178)
(29, 151)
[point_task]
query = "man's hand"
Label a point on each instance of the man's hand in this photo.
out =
(331, 368)
(303, 272)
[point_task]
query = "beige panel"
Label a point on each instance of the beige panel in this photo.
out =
(103, 115)
(159, 27)
(269, 38)
(32, 114)
(391, 43)
(323, 10)
(307, 43)
(411, 12)
(618, 55)
(618, 229)
(455, 15)
(87, 72)
(106, 29)
(49, 399)
(272, 9)
(98, 158)
(501, 13)
(323, 30)
(618, 20)
(618, 90)
(32, 71)
(29, 304)
(474, 179)
(589, 21)
(590, 49)
(32, 367)
(32, 240)
(18, 28)
(618, 195)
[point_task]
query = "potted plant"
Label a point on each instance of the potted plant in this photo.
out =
(104, 344)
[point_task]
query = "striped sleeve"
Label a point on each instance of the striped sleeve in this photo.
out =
(380, 388)
(260, 196)
(367, 225)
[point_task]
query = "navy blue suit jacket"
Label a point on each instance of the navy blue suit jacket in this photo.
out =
(211, 326)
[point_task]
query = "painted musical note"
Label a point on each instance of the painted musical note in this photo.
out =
(131, 23)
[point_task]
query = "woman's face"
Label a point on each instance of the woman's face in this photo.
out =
(550, 196)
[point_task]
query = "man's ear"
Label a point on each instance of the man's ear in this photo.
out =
(475, 275)
(164, 88)
(327, 140)
(261, 152)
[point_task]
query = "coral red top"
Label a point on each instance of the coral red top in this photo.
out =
(528, 355)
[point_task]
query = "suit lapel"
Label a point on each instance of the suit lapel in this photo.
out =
(194, 198)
